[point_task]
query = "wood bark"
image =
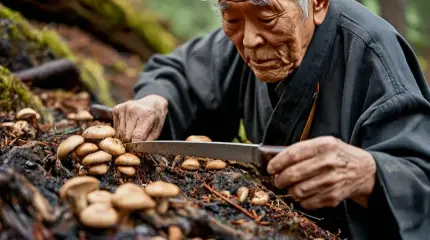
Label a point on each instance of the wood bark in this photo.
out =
(394, 12)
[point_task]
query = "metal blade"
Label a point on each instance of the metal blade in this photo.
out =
(248, 153)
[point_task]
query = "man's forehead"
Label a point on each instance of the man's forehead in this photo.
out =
(225, 3)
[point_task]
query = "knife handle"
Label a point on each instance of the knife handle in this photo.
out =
(268, 152)
(101, 112)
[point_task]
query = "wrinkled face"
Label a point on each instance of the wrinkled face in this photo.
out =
(272, 39)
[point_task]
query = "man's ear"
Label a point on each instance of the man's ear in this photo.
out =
(320, 8)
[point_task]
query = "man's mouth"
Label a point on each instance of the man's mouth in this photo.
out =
(264, 64)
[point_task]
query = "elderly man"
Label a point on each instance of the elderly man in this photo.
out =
(327, 78)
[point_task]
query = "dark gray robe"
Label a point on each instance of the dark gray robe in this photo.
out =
(372, 95)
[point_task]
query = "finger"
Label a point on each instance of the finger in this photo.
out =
(131, 122)
(308, 169)
(122, 127)
(331, 197)
(143, 127)
(116, 119)
(316, 184)
(300, 151)
(154, 132)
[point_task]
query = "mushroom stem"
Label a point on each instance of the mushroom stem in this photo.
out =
(163, 205)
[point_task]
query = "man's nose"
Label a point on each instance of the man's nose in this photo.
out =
(251, 36)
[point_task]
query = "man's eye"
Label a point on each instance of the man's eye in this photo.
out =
(233, 21)
(266, 20)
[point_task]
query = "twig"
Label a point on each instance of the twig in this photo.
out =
(213, 191)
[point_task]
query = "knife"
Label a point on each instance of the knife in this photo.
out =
(256, 154)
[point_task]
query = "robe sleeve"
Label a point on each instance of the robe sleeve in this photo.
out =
(395, 129)
(200, 81)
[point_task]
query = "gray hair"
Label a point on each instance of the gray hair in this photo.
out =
(303, 4)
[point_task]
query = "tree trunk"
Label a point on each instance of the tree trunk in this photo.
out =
(394, 12)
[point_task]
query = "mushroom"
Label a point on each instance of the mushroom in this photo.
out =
(130, 196)
(216, 165)
(260, 198)
(20, 127)
(99, 132)
(127, 170)
(26, 114)
(86, 148)
(83, 115)
(175, 233)
(113, 146)
(96, 158)
(99, 215)
(190, 164)
(242, 194)
(225, 193)
(68, 146)
(99, 196)
(76, 190)
(7, 124)
(127, 159)
(162, 191)
(198, 138)
(98, 169)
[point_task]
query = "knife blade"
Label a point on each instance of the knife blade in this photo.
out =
(256, 154)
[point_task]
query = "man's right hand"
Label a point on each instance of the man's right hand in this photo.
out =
(140, 120)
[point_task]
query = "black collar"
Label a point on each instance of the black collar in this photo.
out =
(298, 93)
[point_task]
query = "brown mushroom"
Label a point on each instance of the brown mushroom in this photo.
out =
(68, 145)
(162, 191)
(83, 115)
(86, 148)
(225, 193)
(216, 165)
(21, 127)
(127, 159)
(198, 138)
(260, 198)
(98, 132)
(26, 114)
(112, 146)
(127, 170)
(191, 164)
(99, 196)
(76, 189)
(96, 158)
(175, 233)
(130, 196)
(99, 215)
(242, 194)
(98, 169)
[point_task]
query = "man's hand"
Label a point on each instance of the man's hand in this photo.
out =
(140, 120)
(324, 171)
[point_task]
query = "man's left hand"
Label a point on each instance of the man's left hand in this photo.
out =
(324, 171)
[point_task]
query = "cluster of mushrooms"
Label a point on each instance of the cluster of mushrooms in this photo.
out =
(193, 163)
(98, 208)
(25, 118)
(95, 149)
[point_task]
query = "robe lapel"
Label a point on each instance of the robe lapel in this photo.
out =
(296, 97)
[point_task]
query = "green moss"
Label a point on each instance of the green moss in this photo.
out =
(14, 96)
(143, 23)
(91, 73)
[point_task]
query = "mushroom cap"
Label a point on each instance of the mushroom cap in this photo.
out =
(26, 113)
(130, 196)
(99, 215)
(99, 196)
(198, 138)
(190, 164)
(99, 132)
(83, 115)
(96, 158)
(162, 189)
(86, 148)
(90, 182)
(127, 159)
(113, 146)
(98, 169)
(68, 146)
(127, 170)
(216, 164)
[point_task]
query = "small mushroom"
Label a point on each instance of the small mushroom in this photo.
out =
(127, 170)
(68, 146)
(96, 158)
(86, 148)
(260, 198)
(113, 146)
(191, 164)
(242, 194)
(99, 215)
(225, 193)
(162, 191)
(76, 190)
(198, 138)
(98, 169)
(98, 132)
(20, 127)
(175, 233)
(130, 196)
(127, 159)
(26, 114)
(99, 196)
(71, 116)
(83, 115)
(216, 165)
